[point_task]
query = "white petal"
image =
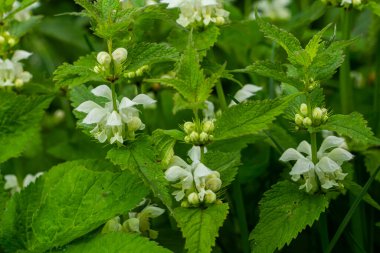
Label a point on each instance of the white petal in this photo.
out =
(175, 173)
(340, 155)
(126, 103)
(143, 99)
(209, 111)
(31, 179)
(195, 154)
(179, 195)
(133, 224)
(20, 55)
(330, 142)
(95, 116)
(10, 182)
(102, 91)
(327, 165)
(201, 171)
(290, 155)
(87, 106)
(302, 166)
(304, 147)
(179, 162)
(114, 119)
(152, 211)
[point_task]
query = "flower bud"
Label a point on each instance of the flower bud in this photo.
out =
(120, 55)
(214, 184)
(324, 111)
(298, 119)
(325, 118)
(193, 198)
(356, 2)
(194, 137)
(145, 67)
(303, 109)
(12, 42)
(211, 137)
(19, 82)
(130, 75)
(187, 139)
(208, 126)
(139, 72)
(219, 21)
(188, 127)
(210, 197)
(307, 122)
(97, 69)
(185, 203)
(134, 124)
(317, 113)
(103, 58)
(203, 137)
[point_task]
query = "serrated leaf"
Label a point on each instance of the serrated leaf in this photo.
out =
(164, 141)
(149, 53)
(272, 70)
(250, 118)
(80, 72)
(140, 158)
(20, 117)
(315, 42)
(117, 243)
(69, 201)
(353, 126)
(225, 163)
(200, 226)
(284, 212)
(285, 39)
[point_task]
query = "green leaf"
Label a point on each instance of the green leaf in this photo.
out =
(284, 212)
(116, 243)
(372, 161)
(272, 70)
(164, 141)
(140, 158)
(250, 118)
(149, 53)
(200, 226)
(20, 119)
(80, 72)
(374, 7)
(4, 196)
(67, 202)
(285, 39)
(353, 126)
(313, 46)
(356, 189)
(225, 163)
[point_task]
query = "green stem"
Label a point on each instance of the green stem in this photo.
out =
(323, 232)
(345, 84)
(236, 190)
(114, 97)
(376, 104)
(313, 138)
(350, 212)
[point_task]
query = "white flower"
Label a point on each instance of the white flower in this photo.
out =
(138, 222)
(331, 156)
(11, 182)
(190, 177)
(275, 9)
(111, 124)
(12, 72)
(248, 90)
(24, 14)
(198, 11)
(347, 3)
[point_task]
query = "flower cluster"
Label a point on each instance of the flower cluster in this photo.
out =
(199, 134)
(195, 183)
(113, 63)
(304, 119)
(12, 73)
(12, 184)
(327, 172)
(113, 124)
(199, 12)
(273, 9)
(136, 222)
(343, 3)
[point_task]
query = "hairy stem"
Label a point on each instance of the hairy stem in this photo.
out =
(350, 212)
(345, 84)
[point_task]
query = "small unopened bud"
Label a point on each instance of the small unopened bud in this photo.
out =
(307, 122)
(19, 82)
(325, 118)
(211, 137)
(303, 109)
(12, 42)
(188, 127)
(219, 21)
(194, 137)
(130, 75)
(214, 184)
(210, 197)
(193, 198)
(317, 113)
(2, 39)
(187, 139)
(324, 111)
(356, 2)
(134, 124)
(298, 119)
(145, 67)
(103, 58)
(203, 137)
(97, 69)
(120, 55)
(208, 126)
(139, 72)
(185, 203)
